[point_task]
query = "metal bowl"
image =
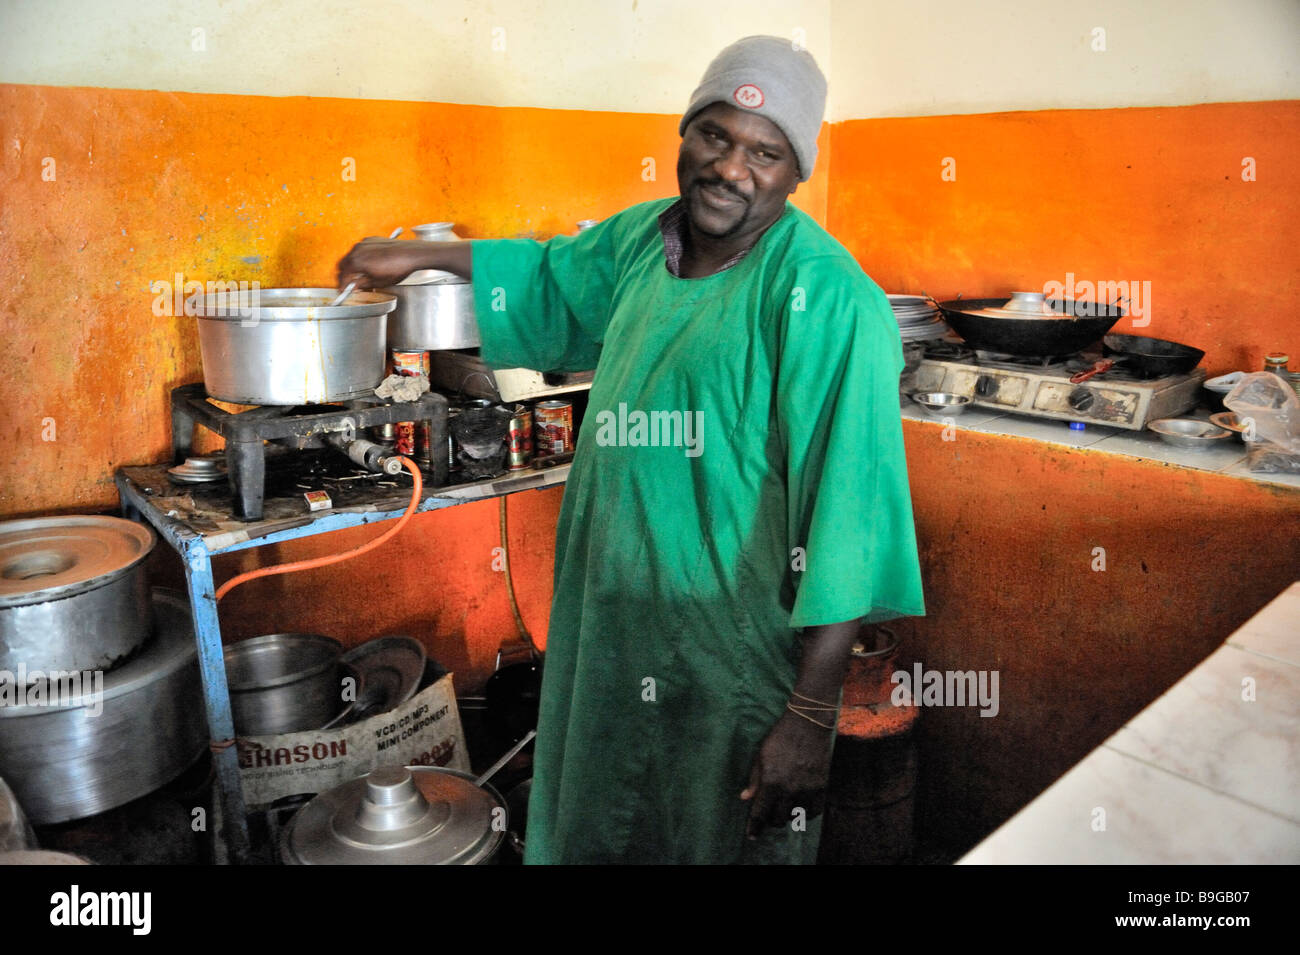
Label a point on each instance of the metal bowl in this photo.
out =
(284, 683)
(941, 404)
(1191, 433)
(1229, 421)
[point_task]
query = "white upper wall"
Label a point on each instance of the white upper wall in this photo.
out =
(883, 57)
(935, 57)
(632, 55)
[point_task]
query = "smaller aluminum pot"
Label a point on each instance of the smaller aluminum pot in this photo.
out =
(433, 316)
(284, 683)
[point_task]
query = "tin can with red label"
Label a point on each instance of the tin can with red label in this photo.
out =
(520, 437)
(411, 363)
(554, 427)
(423, 453)
(405, 443)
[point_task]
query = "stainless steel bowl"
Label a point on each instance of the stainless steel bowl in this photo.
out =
(74, 594)
(116, 740)
(289, 346)
(284, 683)
(433, 316)
(941, 404)
(1190, 433)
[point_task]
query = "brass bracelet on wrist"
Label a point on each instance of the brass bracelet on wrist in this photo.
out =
(830, 707)
(795, 710)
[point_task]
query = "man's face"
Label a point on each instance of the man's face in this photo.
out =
(734, 170)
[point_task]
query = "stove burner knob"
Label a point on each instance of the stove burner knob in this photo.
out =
(986, 386)
(1081, 399)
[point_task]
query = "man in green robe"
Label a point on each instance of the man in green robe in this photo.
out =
(738, 502)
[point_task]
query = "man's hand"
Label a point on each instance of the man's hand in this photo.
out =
(791, 771)
(376, 262)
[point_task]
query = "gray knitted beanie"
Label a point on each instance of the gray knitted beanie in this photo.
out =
(769, 76)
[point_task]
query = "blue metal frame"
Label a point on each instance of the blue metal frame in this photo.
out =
(196, 555)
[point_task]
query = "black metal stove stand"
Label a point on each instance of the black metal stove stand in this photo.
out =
(246, 431)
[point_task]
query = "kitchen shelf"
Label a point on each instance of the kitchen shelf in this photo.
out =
(190, 518)
(1230, 459)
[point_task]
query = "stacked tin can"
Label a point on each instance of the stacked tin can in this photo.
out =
(412, 437)
(553, 422)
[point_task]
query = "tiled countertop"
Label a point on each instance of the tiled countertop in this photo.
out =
(1229, 458)
(1204, 774)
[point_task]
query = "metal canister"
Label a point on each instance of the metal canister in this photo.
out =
(553, 427)
(520, 437)
(411, 363)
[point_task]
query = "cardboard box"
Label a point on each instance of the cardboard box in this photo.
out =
(423, 731)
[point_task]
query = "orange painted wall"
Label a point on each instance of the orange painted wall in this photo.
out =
(147, 184)
(1125, 194)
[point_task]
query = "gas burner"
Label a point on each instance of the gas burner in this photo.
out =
(1002, 360)
(948, 351)
(301, 428)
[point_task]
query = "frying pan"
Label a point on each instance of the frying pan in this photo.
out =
(1079, 326)
(1151, 357)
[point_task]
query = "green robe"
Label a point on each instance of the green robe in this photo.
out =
(685, 560)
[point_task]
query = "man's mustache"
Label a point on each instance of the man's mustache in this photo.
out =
(723, 184)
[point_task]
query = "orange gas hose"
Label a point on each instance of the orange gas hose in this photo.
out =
(234, 582)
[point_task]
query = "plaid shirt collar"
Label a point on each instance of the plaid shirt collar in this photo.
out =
(672, 225)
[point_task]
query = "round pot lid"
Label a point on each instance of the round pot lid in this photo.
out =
(391, 669)
(49, 558)
(199, 470)
(414, 815)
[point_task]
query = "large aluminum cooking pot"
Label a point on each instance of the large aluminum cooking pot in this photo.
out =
(73, 592)
(414, 815)
(289, 346)
(284, 683)
(433, 315)
(68, 755)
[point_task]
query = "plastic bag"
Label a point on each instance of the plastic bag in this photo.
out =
(1269, 410)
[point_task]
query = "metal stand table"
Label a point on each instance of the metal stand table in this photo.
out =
(197, 534)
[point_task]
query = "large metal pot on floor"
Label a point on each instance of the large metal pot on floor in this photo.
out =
(69, 756)
(1029, 324)
(414, 815)
(73, 592)
(289, 346)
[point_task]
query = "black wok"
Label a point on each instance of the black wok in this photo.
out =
(1151, 357)
(1082, 324)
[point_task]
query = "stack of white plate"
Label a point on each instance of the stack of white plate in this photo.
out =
(918, 318)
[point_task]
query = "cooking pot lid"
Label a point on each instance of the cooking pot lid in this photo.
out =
(415, 815)
(433, 277)
(49, 558)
